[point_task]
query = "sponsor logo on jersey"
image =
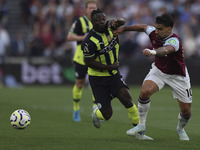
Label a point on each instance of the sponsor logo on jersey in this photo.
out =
(109, 47)
(172, 41)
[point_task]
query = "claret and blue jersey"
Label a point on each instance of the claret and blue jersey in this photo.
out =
(172, 63)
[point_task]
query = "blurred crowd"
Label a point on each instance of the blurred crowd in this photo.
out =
(49, 21)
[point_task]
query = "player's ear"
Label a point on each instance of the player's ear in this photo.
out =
(170, 29)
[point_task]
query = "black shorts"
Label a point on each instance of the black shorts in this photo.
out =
(105, 89)
(80, 70)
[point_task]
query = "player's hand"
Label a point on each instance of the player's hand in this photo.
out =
(120, 21)
(119, 30)
(146, 52)
(115, 23)
(115, 65)
(111, 23)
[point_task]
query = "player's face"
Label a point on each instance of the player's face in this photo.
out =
(90, 8)
(99, 22)
(162, 31)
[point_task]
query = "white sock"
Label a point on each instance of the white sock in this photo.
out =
(143, 111)
(182, 122)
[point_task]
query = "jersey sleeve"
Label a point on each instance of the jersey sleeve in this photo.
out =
(76, 27)
(173, 42)
(149, 29)
(88, 49)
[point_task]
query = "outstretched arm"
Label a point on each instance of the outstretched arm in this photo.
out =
(139, 28)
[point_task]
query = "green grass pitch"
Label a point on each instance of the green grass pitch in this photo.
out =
(52, 127)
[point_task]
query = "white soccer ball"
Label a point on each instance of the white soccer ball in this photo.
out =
(20, 119)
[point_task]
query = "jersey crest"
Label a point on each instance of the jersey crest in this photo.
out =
(109, 38)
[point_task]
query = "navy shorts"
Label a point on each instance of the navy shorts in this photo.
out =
(105, 89)
(80, 70)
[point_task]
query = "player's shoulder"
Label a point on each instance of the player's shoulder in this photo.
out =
(90, 34)
(174, 41)
(174, 35)
(77, 21)
(88, 46)
(87, 39)
(75, 24)
(150, 29)
(173, 38)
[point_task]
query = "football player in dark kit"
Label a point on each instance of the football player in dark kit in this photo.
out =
(169, 68)
(101, 50)
(77, 33)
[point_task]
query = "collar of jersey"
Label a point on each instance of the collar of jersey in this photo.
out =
(86, 17)
(100, 34)
(166, 37)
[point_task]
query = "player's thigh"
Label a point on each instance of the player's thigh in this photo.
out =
(80, 70)
(116, 83)
(154, 80)
(150, 85)
(101, 92)
(181, 88)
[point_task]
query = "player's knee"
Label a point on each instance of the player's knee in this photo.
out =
(79, 85)
(186, 109)
(145, 93)
(185, 116)
(107, 115)
(186, 112)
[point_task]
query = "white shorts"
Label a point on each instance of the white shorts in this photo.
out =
(180, 85)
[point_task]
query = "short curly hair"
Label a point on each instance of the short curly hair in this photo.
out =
(94, 12)
(165, 19)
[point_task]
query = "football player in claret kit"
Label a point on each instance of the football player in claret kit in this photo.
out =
(101, 51)
(169, 68)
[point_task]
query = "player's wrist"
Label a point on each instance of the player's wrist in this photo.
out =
(153, 52)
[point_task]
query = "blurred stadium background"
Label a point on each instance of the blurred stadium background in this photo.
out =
(34, 54)
(34, 50)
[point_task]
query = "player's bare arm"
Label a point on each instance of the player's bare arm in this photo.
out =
(74, 37)
(139, 28)
(90, 62)
(161, 51)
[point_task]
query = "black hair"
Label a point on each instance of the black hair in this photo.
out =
(94, 12)
(165, 19)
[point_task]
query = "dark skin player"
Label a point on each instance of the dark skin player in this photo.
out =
(99, 25)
